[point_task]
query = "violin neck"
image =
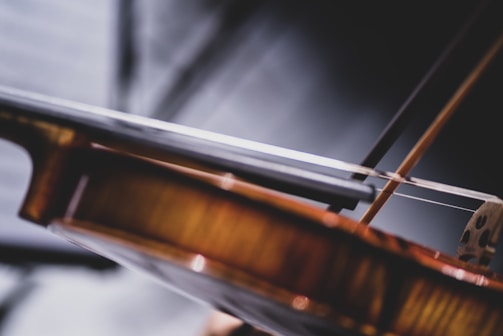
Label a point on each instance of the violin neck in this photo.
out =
(40, 125)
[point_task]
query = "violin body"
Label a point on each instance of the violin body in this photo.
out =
(276, 262)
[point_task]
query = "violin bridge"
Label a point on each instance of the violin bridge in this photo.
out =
(481, 234)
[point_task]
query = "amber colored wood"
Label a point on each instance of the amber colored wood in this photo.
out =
(279, 263)
(48, 145)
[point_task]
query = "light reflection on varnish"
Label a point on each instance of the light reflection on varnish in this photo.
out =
(198, 263)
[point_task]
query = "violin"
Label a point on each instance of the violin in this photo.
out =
(214, 217)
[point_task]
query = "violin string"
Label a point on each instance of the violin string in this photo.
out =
(167, 129)
(421, 199)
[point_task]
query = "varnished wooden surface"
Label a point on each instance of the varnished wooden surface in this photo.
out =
(198, 230)
(332, 272)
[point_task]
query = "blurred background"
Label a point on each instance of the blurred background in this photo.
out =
(319, 76)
